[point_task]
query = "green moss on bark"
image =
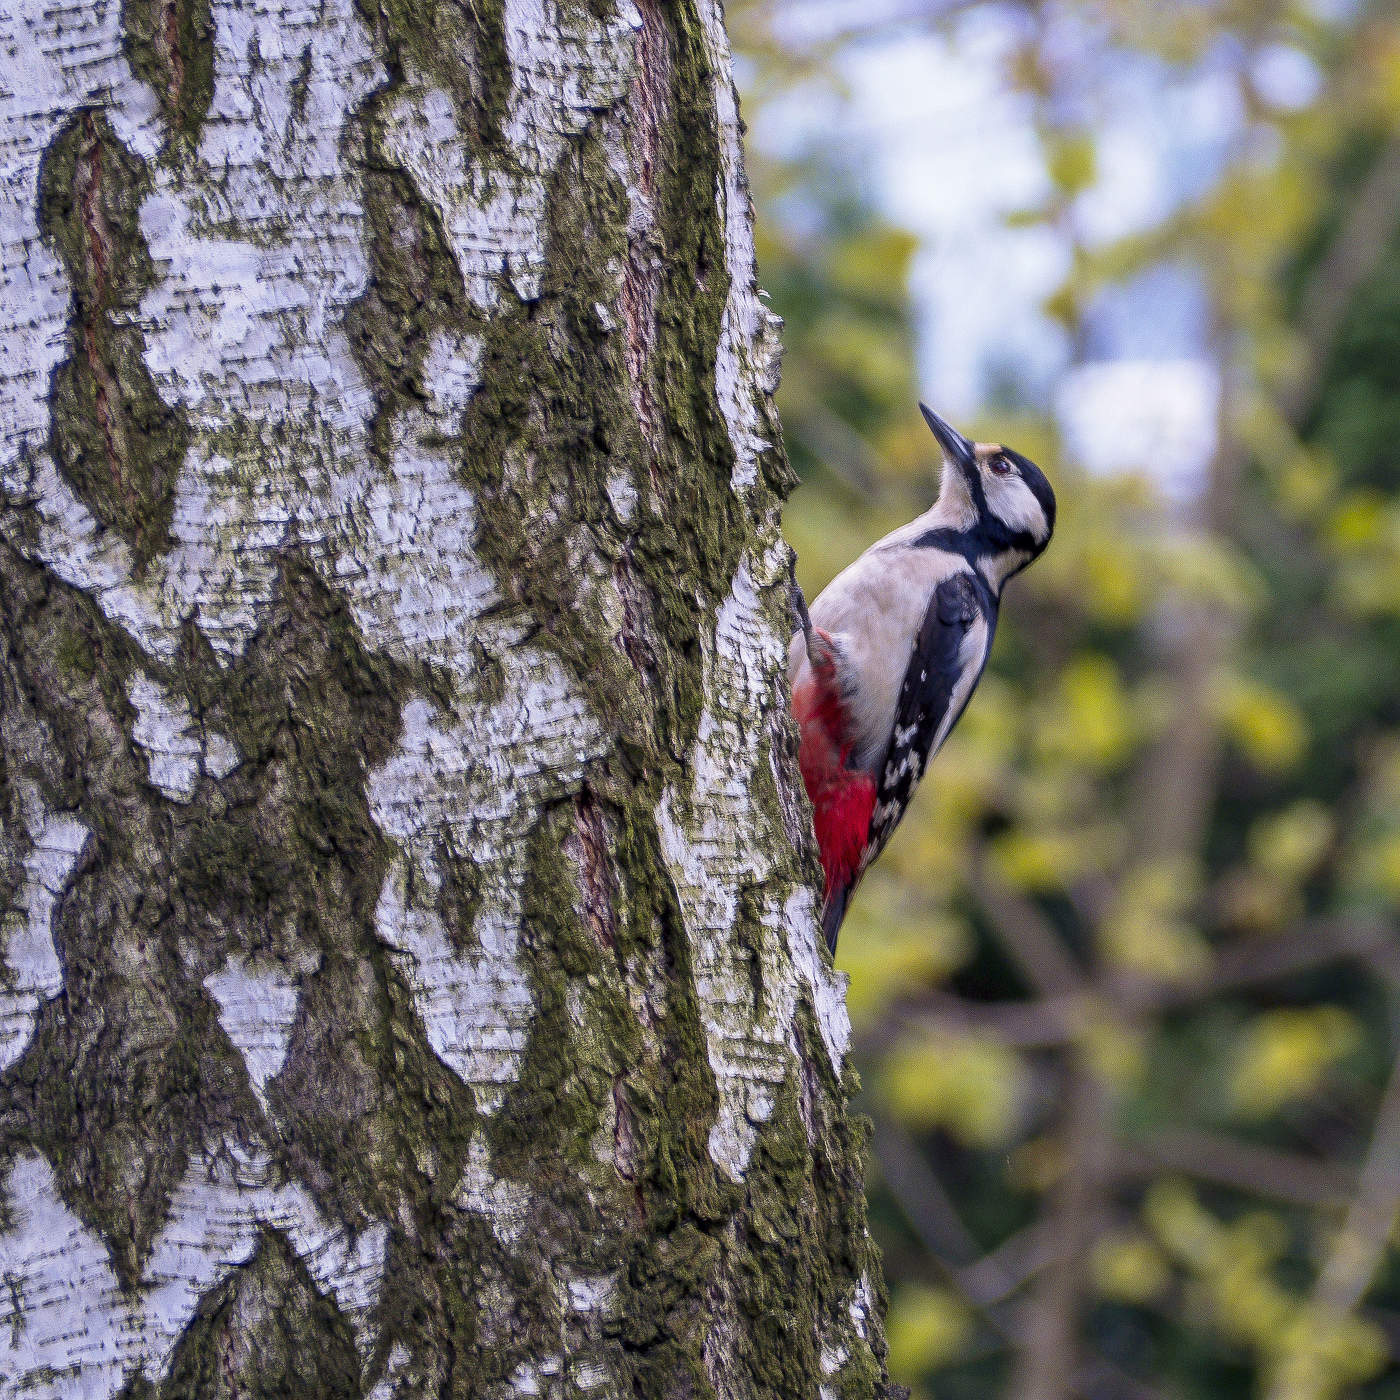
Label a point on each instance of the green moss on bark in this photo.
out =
(287, 857)
(279, 862)
(171, 47)
(805, 1242)
(265, 1333)
(687, 556)
(414, 289)
(460, 45)
(547, 430)
(114, 439)
(132, 1051)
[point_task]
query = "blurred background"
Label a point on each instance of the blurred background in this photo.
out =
(1125, 983)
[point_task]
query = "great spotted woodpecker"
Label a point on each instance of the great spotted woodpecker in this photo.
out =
(885, 664)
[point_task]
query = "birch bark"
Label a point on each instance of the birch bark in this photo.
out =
(410, 978)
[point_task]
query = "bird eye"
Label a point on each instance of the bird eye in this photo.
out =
(1000, 465)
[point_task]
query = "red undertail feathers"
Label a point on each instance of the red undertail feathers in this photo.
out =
(842, 798)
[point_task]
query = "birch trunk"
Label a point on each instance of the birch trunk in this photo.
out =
(410, 980)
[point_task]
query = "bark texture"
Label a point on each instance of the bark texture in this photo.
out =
(411, 981)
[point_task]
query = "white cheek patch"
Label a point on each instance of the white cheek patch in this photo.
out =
(1013, 503)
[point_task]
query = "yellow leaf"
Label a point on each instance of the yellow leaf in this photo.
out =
(1089, 719)
(969, 1085)
(888, 957)
(1358, 520)
(1113, 583)
(1145, 930)
(1288, 845)
(1380, 865)
(1283, 1056)
(1072, 161)
(1033, 861)
(1183, 1227)
(1130, 1268)
(1267, 726)
(926, 1328)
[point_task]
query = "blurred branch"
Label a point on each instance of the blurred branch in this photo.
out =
(1244, 963)
(1053, 1020)
(1046, 1364)
(1365, 234)
(920, 1195)
(1100, 1379)
(1358, 1250)
(985, 1283)
(1025, 1025)
(1357, 1253)
(1028, 937)
(1001, 1271)
(983, 1280)
(1242, 1166)
(836, 445)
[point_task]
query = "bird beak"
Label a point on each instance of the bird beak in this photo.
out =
(956, 448)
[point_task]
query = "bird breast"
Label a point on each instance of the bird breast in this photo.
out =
(874, 610)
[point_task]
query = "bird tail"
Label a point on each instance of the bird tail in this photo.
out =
(834, 914)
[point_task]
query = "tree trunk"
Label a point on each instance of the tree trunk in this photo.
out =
(411, 980)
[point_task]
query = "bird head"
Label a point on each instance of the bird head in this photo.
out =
(998, 498)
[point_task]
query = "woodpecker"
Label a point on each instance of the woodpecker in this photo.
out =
(885, 663)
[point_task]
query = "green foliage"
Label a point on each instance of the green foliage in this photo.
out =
(1161, 854)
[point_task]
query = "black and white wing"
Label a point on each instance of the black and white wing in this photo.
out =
(949, 653)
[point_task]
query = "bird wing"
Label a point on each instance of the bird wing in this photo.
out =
(949, 653)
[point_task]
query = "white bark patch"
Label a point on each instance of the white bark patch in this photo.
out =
(256, 1009)
(558, 1375)
(65, 1329)
(476, 1010)
(70, 541)
(835, 1355)
(505, 1204)
(592, 1293)
(31, 972)
(240, 326)
(623, 495)
(537, 1378)
(73, 1335)
(216, 1214)
(395, 1373)
(471, 782)
(177, 754)
(415, 587)
(57, 57)
(715, 844)
(589, 1376)
(746, 362)
(451, 376)
(221, 755)
(257, 240)
(826, 987)
(566, 66)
